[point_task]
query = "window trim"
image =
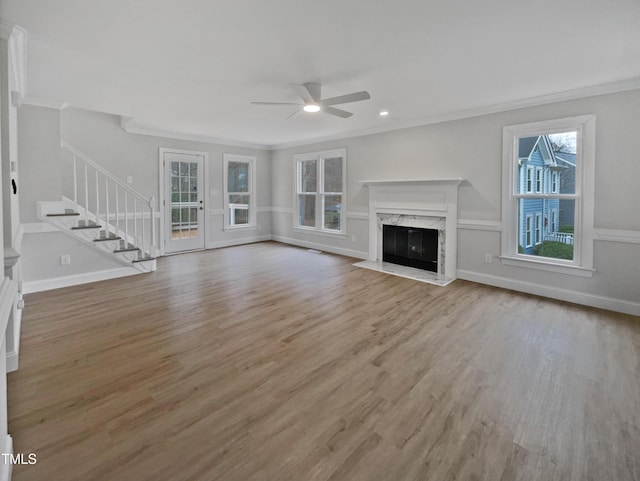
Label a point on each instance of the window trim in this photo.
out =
(319, 192)
(248, 159)
(582, 263)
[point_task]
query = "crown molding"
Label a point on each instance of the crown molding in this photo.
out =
(592, 91)
(125, 123)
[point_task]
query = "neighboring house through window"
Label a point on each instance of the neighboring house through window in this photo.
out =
(239, 191)
(320, 191)
(534, 235)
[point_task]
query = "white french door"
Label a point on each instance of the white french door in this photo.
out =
(184, 209)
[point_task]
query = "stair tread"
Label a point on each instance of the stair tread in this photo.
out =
(64, 214)
(127, 249)
(144, 259)
(107, 238)
(94, 226)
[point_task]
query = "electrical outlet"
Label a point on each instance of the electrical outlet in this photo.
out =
(129, 179)
(65, 260)
(488, 258)
(353, 238)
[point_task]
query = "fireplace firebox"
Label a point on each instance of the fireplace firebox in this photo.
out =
(410, 246)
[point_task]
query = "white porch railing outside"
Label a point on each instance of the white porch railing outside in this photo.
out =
(109, 201)
(240, 210)
(564, 237)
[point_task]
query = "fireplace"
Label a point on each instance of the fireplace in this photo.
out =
(413, 224)
(410, 246)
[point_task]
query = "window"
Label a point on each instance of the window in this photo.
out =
(538, 228)
(549, 225)
(320, 191)
(528, 242)
(554, 182)
(554, 221)
(239, 191)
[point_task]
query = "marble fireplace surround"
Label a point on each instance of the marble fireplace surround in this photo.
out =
(424, 203)
(422, 222)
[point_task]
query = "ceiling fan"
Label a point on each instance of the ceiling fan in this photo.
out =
(312, 100)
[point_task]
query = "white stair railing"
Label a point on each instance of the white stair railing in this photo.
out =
(110, 202)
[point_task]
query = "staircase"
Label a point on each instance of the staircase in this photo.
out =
(101, 210)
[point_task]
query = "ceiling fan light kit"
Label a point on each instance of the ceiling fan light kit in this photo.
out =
(312, 100)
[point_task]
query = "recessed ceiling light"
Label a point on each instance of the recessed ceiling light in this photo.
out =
(384, 113)
(311, 108)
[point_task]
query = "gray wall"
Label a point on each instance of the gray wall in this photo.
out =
(472, 149)
(39, 154)
(41, 254)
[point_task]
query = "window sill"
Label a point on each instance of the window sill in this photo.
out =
(325, 233)
(558, 268)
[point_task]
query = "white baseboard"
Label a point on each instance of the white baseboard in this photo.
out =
(29, 287)
(321, 247)
(237, 242)
(602, 302)
(5, 467)
(12, 361)
(14, 356)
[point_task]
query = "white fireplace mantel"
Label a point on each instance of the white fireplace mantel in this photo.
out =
(435, 198)
(452, 180)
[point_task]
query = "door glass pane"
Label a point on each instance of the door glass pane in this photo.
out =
(333, 175)
(238, 209)
(332, 212)
(238, 177)
(546, 227)
(184, 200)
(184, 184)
(307, 210)
(308, 176)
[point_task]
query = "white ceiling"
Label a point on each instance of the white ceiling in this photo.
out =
(194, 66)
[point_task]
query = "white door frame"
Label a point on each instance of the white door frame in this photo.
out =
(161, 189)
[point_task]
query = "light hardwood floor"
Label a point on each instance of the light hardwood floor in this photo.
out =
(268, 362)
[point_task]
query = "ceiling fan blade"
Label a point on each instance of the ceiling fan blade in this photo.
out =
(345, 99)
(314, 89)
(340, 113)
(276, 103)
(296, 112)
(304, 94)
